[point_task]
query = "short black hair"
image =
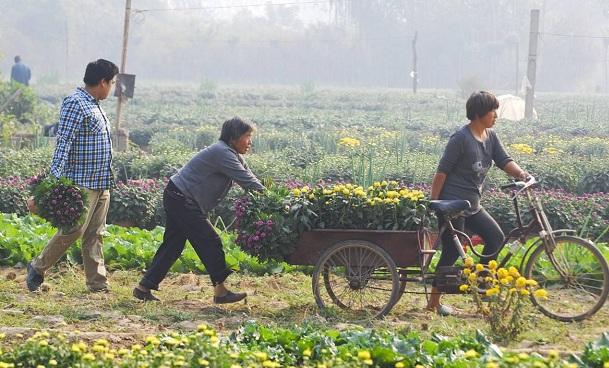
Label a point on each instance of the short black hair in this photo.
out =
(17, 58)
(99, 70)
(480, 103)
(234, 128)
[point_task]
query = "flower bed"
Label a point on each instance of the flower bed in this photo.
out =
(256, 345)
(269, 224)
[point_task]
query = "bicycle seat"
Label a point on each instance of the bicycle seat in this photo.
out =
(449, 207)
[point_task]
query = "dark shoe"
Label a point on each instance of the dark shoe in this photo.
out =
(230, 297)
(103, 289)
(34, 279)
(145, 295)
(445, 310)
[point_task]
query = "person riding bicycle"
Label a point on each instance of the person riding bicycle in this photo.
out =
(461, 172)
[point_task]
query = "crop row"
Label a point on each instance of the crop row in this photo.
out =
(255, 345)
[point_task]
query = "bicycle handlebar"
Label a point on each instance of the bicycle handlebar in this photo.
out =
(520, 185)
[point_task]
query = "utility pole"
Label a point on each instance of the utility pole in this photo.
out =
(119, 104)
(517, 68)
(65, 66)
(605, 65)
(414, 73)
(532, 65)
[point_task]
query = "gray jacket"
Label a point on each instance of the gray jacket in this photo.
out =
(208, 176)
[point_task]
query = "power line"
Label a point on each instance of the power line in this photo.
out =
(573, 35)
(233, 6)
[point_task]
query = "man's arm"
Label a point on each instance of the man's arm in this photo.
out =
(70, 120)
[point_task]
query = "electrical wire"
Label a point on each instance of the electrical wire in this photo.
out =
(573, 35)
(232, 6)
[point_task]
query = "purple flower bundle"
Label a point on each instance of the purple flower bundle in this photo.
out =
(59, 201)
(254, 240)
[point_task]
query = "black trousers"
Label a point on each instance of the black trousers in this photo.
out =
(480, 223)
(185, 221)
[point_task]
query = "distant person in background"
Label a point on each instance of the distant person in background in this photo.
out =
(20, 72)
(83, 153)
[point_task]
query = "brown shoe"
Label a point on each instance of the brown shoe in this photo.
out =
(229, 297)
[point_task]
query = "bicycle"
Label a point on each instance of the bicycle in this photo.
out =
(570, 268)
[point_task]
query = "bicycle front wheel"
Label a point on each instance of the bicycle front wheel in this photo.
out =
(576, 276)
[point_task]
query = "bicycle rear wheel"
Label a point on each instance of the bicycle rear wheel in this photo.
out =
(575, 275)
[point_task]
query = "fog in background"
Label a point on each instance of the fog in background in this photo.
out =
(336, 42)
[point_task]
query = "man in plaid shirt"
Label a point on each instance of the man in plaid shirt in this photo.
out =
(84, 154)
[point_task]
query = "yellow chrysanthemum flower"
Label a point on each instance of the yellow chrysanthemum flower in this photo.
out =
(492, 265)
(469, 262)
(363, 355)
(540, 293)
(513, 271)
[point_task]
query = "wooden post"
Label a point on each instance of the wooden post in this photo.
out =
(532, 65)
(517, 69)
(119, 103)
(65, 71)
(605, 65)
(414, 73)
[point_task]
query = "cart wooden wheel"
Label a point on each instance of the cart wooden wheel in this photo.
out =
(355, 280)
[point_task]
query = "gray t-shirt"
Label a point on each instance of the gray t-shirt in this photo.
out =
(208, 176)
(466, 161)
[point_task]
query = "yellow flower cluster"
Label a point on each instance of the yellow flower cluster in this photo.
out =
(349, 142)
(551, 151)
(379, 193)
(522, 148)
(499, 278)
(505, 290)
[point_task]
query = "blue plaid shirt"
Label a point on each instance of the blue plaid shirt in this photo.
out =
(84, 150)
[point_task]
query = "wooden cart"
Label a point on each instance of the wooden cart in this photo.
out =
(361, 274)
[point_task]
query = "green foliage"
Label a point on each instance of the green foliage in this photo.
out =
(141, 136)
(13, 196)
(207, 89)
(135, 202)
(22, 238)
(24, 162)
(259, 345)
(594, 183)
(22, 107)
(596, 353)
(206, 136)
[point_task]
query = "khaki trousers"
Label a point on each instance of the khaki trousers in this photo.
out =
(92, 242)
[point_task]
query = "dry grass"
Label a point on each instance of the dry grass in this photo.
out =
(284, 300)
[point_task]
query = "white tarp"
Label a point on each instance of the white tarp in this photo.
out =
(512, 108)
